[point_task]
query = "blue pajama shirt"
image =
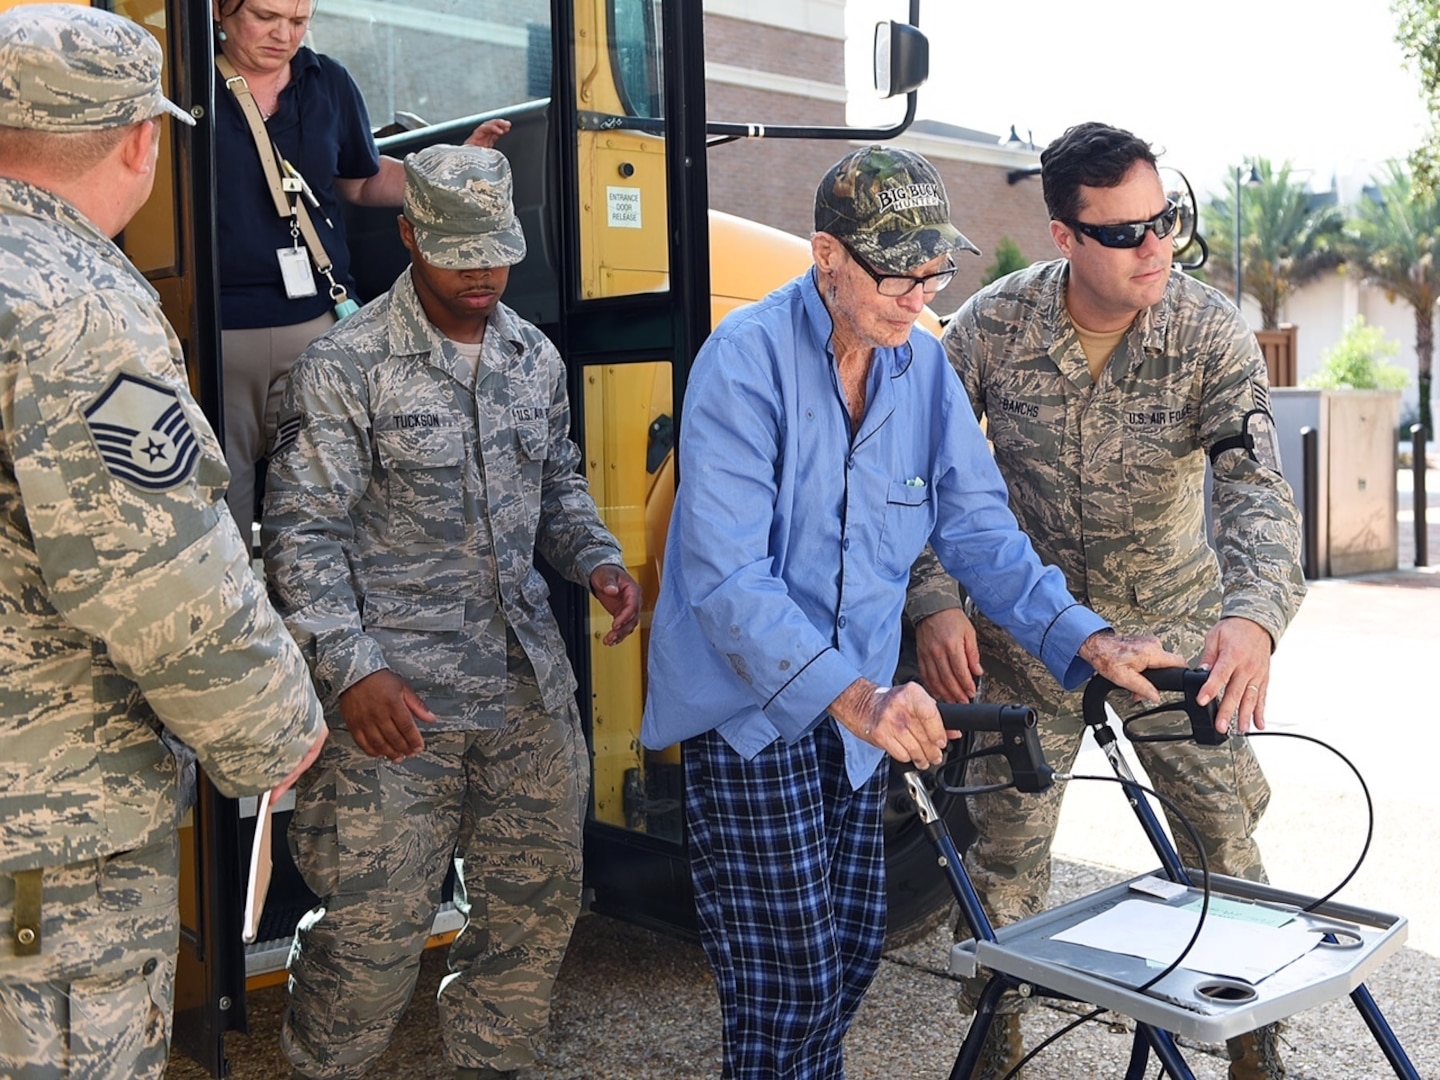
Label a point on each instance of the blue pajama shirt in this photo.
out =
(785, 571)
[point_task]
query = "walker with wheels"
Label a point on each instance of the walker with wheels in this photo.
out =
(1076, 951)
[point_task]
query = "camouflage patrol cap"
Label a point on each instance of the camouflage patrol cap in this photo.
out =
(67, 68)
(459, 201)
(890, 206)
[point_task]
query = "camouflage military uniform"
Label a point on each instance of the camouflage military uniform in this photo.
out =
(127, 602)
(1107, 480)
(403, 510)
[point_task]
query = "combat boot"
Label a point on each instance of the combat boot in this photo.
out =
(484, 1073)
(1256, 1055)
(1002, 1049)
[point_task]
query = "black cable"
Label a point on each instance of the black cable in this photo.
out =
(1056, 1034)
(1364, 787)
(1369, 810)
(1163, 707)
(985, 790)
(957, 765)
(1199, 851)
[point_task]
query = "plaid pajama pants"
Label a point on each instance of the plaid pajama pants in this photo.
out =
(789, 870)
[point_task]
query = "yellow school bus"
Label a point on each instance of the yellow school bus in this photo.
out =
(628, 269)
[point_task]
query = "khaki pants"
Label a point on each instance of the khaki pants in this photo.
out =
(256, 366)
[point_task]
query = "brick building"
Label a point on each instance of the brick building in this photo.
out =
(782, 62)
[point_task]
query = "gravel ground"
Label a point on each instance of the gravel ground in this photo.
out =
(632, 1004)
(1357, 668)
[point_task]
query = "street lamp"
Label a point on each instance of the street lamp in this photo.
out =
(1252, 180)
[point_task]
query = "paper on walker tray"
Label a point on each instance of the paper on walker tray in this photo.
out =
(257, 884)
(1155, 886)
(1238, 948)
(1223, 908)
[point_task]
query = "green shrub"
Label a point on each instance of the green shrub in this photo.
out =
(1007, 260)
(1360, 360)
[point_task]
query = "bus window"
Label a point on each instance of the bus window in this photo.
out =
(429, 63)
(639, 70)
(620, 150)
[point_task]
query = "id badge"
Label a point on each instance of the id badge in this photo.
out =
(295, 269)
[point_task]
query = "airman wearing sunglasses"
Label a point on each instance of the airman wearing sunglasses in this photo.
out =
(1109, 380)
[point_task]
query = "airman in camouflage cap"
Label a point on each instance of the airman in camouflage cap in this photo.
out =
(889, 206)
(69, 68)
(424, 460)
(459, 201)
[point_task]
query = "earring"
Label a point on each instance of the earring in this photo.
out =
(220, 33)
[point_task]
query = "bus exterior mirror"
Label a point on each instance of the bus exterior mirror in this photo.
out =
(902, 58)
(1191, 251)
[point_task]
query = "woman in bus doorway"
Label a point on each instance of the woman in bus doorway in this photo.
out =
(283, 260)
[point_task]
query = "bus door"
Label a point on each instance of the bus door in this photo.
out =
(607, 148)
(609, 154)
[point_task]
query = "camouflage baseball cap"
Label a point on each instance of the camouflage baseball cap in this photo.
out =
(890, 206)
(68, 68)
(458, 200)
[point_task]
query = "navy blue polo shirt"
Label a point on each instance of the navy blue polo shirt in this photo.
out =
(322, 128)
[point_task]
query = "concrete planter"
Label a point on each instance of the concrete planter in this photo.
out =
(1355, 529)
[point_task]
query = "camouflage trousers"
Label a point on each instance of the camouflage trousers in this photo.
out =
(96, 1003)
(1220, 790)
(375, 839)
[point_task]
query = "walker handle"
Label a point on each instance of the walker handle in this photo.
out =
(1019, 738)
(1186, 681)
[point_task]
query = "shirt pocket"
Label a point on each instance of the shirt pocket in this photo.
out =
(908, 524)
(1164, 478)
(424, 641)
(1023, 432)
(533, 443)
(425, 484)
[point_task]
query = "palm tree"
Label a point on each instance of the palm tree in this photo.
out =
(1393, 243)
(1289, 237)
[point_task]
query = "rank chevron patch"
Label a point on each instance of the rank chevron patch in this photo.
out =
(142, 434)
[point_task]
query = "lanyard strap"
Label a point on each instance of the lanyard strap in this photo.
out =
(236, 84)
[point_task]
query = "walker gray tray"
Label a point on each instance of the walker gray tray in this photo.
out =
(1186, 1003)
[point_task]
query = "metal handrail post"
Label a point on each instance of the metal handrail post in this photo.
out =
(1310, 500)
(1419, 500)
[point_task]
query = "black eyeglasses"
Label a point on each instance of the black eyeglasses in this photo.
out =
(1130, 234)
(898, 285)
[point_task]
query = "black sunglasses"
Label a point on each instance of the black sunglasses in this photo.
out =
(1130, 234)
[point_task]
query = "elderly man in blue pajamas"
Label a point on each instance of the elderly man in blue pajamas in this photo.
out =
(825, 441)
